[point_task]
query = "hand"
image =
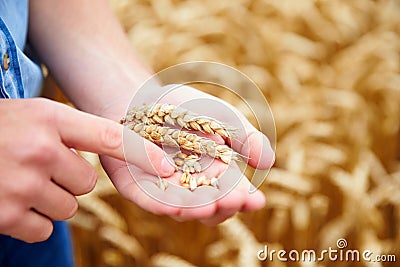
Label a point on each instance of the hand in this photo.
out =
(39, 174)
(250, 143)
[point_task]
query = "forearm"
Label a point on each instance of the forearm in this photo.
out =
(87, 52)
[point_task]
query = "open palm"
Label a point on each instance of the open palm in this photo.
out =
(208, 204)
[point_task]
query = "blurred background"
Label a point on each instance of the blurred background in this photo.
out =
(331, 73)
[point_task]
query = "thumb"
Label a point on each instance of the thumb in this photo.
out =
(84, 131)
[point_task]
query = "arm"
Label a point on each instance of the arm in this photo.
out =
(87, 52)
(92, 60)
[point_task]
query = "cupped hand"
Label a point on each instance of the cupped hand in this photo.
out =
(215, 205)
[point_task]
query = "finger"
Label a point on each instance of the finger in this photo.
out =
(253, 145)
(55, 203)
(226, 207)
(34, 227)
(240, 197)
(146, 155)
(87, 132)
(254, 201)
(73, 172)
(188, 214)
(255, 148)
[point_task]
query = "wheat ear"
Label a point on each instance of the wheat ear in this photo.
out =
(169, 114)
(163, 135)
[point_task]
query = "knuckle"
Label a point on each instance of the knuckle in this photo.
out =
(41, 100)
(42, 108)
(41, 148)
(29, 188)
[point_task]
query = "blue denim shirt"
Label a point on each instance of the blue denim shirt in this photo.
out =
(21, 77)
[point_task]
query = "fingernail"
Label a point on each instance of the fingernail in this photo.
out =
(166, 167)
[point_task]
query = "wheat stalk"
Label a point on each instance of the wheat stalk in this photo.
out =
(177, 116)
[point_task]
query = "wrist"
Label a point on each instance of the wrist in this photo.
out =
(117, 105)
(114, 99)
(115, 108)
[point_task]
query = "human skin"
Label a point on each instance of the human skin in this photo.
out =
(87, 52)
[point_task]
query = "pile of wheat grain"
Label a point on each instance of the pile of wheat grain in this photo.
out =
(331, 73)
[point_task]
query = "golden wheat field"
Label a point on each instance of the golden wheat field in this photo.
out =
(330, 71)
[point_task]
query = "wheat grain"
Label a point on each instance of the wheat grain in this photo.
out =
(200, 180)
(206, 182)
(177, 116)
(185, 185)
(181, 155)
(214, 182)
(190, 164)
(162, 183)
(183, 178)
(179, 162)
(192, 183)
